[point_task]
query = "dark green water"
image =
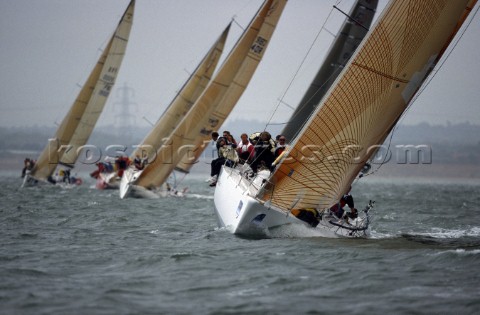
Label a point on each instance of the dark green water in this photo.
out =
(84, 251)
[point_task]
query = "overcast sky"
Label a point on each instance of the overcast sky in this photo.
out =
(48, 48)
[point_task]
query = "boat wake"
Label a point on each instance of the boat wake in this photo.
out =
(294, 231)
(198, 196)
(450, 233)
(289, 231)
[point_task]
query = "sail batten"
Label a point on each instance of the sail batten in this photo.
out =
(365, 102)
(125, 39)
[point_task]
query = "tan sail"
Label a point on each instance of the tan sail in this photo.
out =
(184, 100)
(219, 98)
(365, 102)
(79, 122)
(348, 38)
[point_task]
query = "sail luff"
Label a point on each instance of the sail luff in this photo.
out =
(53, 152)
(183, 101)
(218, 100)
(346, 42)
(365, 102)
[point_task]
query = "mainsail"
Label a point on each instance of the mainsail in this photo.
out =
(183, 101)
(365, 102)
(217, 101)
(347, 40)
(79, 122)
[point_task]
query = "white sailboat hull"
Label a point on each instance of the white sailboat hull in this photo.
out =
(128, 189)
(29, 181)
(136, 191)
(242, 214)
(130, 176)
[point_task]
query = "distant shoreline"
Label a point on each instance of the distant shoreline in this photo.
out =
(388, 170)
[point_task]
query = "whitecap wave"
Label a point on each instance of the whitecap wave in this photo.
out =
(199, 196)
(450, 233)
(459, 251)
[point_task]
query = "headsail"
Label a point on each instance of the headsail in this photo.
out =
(365, 102)
(183, 101)
(79, 122)
(219, 98)
(347, 40)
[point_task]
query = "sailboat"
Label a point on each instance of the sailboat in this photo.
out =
(177, 109)
(78, 124)
(358, 112)
(186, 143)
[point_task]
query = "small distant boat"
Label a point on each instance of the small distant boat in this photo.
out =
(357, 113)
(79, 122)
(188, 140)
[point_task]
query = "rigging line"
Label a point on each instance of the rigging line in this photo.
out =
(238, 24)
(286, 104)
(277, 124)
(240, 10)
(327, 81)
(351, 18)
(300, 66)
(176, 183)
(148, 121)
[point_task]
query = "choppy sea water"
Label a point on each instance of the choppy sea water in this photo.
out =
(85, 251)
